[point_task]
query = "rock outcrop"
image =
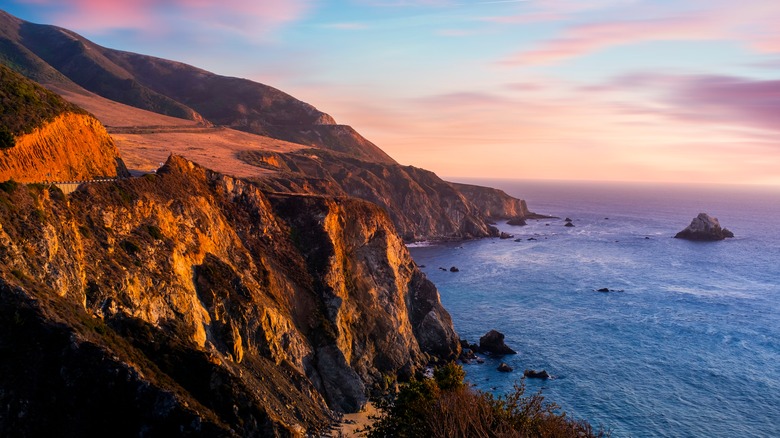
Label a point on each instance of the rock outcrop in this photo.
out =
(493, 203)
(705, 228)
(72, 147)
(493, 343)
(504, 368)
(47, 139)
(421, 205)
(191, 301)
(533, 374)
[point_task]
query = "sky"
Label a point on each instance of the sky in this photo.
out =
(607, 90)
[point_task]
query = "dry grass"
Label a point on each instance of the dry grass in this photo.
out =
(146, 139)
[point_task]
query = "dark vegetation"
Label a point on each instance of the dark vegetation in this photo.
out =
(445, 407)
(25, 105)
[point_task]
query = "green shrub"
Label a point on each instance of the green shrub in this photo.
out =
(449, 376)
(8, 186)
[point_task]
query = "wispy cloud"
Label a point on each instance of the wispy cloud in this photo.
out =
(752, 24)
(247, 17)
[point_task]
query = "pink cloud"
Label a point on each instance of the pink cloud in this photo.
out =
(584, 39)
(731, 100)
(754, 25)
(243, 16)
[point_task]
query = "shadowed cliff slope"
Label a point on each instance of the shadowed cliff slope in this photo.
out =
(190, 301)
(421, 205)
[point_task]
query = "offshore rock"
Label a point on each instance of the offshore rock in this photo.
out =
(517, 221)
(533, 374)
(704, 228)
(504, 368)
(493, 343)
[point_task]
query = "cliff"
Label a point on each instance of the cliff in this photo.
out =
(43, 137)
(493, 203)
(189, 301)
(72, 147)
(421, 205)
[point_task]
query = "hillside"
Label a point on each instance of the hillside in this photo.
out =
(421, 205)
(43, 137)
(188, 301)
(172, 88)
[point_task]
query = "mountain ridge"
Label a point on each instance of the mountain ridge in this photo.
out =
(264, 110)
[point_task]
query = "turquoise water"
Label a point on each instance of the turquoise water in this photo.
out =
(689, 348)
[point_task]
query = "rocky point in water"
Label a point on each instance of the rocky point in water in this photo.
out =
(704, 227)
(493, 343)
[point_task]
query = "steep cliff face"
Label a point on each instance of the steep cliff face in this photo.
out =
(72, 147)
(236, 312)
(493, 203)
(422, 206)
(43, 137)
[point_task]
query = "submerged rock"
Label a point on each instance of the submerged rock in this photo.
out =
(704, 228)
(493, 343)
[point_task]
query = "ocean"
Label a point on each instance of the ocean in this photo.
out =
(686, 345)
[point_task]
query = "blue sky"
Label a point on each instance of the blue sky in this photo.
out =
(641, 90)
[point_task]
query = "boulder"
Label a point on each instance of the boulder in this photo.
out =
(569, 224)
(454, 269)
(516, 221)
(533, 374)
(504, 235)
(493, 343)
(504, 368)
(704, 228)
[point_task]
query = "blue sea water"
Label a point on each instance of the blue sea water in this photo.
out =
(690, 347)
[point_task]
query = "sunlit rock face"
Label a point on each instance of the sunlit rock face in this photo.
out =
(72, 147)
(234, 311)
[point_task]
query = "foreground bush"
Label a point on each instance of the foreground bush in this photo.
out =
(444, 407)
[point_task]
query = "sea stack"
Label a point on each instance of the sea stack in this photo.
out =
(493, 343)
(704, 228)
